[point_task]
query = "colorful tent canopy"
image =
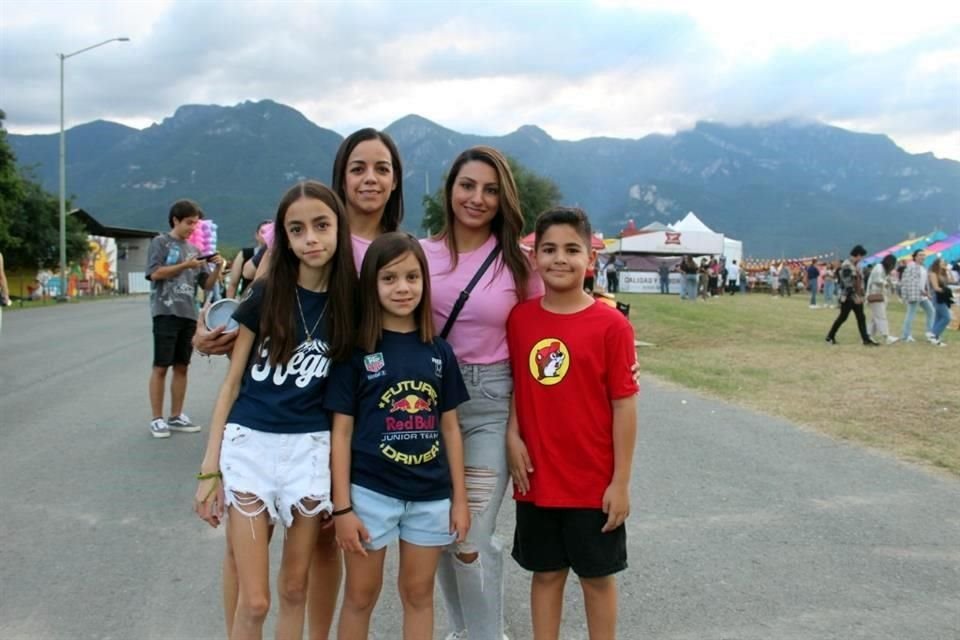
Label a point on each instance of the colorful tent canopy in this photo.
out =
(906, 247)
(948, 249)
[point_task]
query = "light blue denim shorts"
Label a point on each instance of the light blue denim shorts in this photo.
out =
(423, 523)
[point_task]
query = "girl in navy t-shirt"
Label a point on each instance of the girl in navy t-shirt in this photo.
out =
(397, 460)
(268, 455)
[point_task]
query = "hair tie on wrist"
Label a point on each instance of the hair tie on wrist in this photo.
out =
(342, 512)
(207, 476)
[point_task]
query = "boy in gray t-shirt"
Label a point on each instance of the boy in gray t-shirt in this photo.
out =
(175, 270)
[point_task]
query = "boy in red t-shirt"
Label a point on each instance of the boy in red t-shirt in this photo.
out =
(571, 434)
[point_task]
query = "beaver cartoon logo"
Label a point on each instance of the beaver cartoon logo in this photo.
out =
(549, 361)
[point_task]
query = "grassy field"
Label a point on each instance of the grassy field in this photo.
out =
(769, 354)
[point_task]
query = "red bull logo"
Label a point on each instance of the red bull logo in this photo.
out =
(412, 423)
(411, 404)
(401, 396)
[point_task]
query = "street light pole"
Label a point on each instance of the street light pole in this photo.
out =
(63, 170)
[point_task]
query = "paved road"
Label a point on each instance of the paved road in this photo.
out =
(744, 527)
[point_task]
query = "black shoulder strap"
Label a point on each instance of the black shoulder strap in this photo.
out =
(462, 300)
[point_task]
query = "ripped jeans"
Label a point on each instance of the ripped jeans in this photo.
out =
(473, 592)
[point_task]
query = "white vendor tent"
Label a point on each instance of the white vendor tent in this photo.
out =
(641, 253)
(691, 222)
(671, 243)
(732, 249)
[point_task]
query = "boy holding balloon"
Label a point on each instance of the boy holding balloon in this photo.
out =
(175, 268)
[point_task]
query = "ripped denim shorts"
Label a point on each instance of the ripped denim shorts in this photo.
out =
(276, 472)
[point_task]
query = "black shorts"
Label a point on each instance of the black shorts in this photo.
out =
(553, 539)
(172, 340)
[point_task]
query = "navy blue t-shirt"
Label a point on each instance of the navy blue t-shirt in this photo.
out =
(396, 396)
(284, 398)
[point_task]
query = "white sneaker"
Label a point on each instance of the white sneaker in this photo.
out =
(940, 343)
(932, 339)
(159, 428)
(182, 423)
(892, 339)
(909, 339)
(929, 336)
(813, 306)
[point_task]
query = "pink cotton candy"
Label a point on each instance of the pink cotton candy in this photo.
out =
(266, 231)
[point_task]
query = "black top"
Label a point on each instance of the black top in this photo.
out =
(288, 397)
(396, 395)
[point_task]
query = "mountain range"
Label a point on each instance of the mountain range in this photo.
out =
(784, 188)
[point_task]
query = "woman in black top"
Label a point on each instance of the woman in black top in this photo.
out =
(237, 280)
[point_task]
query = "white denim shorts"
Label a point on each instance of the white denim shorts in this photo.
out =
(282, 471)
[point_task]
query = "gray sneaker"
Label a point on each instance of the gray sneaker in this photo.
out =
(159, 428)
(182, 424)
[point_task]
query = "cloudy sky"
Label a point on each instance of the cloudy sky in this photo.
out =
(619, 68)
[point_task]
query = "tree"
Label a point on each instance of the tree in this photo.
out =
(11, 188)
(537, 193)
(30, 217)
(433, 210)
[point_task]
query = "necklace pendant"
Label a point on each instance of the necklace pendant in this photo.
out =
(306, 329)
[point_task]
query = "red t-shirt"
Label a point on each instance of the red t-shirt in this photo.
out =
(567, 371)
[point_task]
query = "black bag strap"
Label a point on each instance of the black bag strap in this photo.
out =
(462, 299)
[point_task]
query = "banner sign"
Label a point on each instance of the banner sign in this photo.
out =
(646, 282)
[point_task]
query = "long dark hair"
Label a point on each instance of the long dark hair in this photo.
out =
(382, 251)
(393, 213)
(278, 321)
(507, 224)
(939, 267)
(889, 262)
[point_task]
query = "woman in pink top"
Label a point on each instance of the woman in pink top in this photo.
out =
(482, 211)
(368, 177)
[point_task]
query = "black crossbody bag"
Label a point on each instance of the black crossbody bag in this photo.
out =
(465, 294)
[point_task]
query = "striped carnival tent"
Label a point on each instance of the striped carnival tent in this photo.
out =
(948, 249)
(905, 248)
